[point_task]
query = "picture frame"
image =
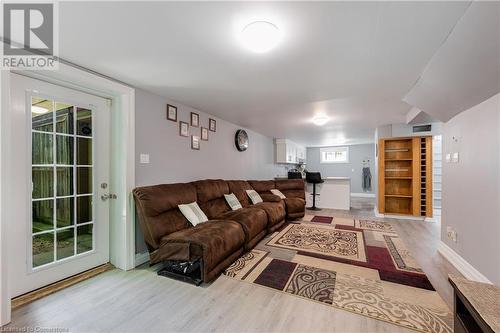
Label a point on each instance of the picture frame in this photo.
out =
(171, 112)
(204, 134)
(195, 142)
(195, 119)
(183, 129)
(212, 125)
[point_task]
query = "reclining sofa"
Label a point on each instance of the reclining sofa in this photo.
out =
(219, 242)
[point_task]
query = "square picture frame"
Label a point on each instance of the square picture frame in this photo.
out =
(204, 134)
(212, 125)
(195, 142)
(184, 129)
(172, 112)
(195, 119)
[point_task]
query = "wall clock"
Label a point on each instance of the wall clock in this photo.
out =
(241, 140)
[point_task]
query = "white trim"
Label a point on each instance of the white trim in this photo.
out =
(461, 264)
(363, 195)
(434, 219)
(5, 309)
(400, 217)
(141, 258)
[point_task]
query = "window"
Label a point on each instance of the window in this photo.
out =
(62, 179)
(334, 155)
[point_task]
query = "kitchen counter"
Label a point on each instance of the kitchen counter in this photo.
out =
(334, 193)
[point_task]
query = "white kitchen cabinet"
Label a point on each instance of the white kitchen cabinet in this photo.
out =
(289, 152)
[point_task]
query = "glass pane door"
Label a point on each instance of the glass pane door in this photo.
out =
(62, 181)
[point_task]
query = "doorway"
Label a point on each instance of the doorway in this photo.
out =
(61, 197)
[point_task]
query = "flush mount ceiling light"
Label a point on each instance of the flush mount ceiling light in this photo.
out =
(260, 36)
(320, 120)
(38, 110)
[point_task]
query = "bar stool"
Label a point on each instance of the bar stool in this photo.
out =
(314, 178)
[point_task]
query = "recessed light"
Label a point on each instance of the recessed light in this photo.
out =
(260, 36)
(320, 120)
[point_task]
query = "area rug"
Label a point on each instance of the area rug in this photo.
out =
(361, 266)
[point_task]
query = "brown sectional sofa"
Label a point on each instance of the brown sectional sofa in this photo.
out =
(227, 234)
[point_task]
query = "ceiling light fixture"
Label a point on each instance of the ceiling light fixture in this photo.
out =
(260, 36)
(38, 109)
(320, 120)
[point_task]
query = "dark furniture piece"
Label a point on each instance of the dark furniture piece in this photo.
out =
(314, 178)
(476, 306)
(294, 175)
(200, 253)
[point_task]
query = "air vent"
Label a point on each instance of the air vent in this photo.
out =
(422, 128)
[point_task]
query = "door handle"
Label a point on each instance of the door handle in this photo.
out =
(107, 196)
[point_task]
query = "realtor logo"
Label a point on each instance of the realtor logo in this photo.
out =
(29, 38)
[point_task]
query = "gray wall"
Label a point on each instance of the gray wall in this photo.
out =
(357, 153)
(173, 160)
(471, 188)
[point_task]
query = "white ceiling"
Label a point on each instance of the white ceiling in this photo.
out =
(465, 71)
(353, 61)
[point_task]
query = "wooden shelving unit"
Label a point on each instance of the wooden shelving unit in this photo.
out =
(405, 176)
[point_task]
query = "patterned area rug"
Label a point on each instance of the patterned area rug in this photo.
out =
(356, 265)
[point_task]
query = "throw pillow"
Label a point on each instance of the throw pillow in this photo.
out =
(278, 193)
(232, 201)
(254, 196)
(193, 213)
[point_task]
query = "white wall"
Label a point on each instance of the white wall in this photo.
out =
(172, 159)
(471, 187)
(353, 169)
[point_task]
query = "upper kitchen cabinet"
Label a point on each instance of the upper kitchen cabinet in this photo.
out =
(289, 152)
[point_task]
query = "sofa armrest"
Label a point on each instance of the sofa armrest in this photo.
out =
(269, 197)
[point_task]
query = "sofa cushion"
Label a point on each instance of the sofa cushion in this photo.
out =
(239, 187)
(213, 241)
(262, 185)
(291, 188)
(254, 196)
(275, 212)
(210, 195)
(158, 212)
(252, 220)
(278, 193)
(193, 213)
(295, 205)
(233, 201)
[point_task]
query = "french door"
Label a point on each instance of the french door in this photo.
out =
(62, 168)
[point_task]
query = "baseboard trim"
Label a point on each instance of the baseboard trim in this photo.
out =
(434, 219)
(461, 264)
(363, 195)
(141, 258)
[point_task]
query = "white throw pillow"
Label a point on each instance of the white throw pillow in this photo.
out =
(193, 213)
(233, 201)
(254, 196)
(278, 193)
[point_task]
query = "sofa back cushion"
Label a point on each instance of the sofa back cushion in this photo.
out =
(291, 188)
(262, 185)
(239, 187)
(158, 212)
(210, 194)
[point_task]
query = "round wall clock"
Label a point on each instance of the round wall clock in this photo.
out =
(241, 140)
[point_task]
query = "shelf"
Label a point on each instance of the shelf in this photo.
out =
(398, 196)
(399, 159)
(395, 150)
(398, 178)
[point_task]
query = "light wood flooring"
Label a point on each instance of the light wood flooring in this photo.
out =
(141, 301)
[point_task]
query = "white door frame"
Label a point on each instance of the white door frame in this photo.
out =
(122, 178)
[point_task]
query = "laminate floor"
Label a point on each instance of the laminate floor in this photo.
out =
(141, 301)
